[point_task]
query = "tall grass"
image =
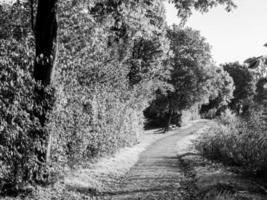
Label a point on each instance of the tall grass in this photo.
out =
(238, 141)
(226, 196)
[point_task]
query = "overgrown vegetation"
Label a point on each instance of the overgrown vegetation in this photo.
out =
(238, 141)
(75, 86)
(195, 79)
(240, 135)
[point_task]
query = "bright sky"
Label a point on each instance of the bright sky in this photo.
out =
(233, 36)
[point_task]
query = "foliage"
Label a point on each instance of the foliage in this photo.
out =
(194, 78)
(22, 138)
(257, 65)
(244, 86)
(228, 117)
(191, 61)
(105, 76)
(112, 57)
(221, 88)
(185, 7)
(240, 142)
(15, 20)
(261, 94)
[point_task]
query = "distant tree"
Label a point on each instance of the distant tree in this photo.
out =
(189, 78)
(244, 86)
(221, 88)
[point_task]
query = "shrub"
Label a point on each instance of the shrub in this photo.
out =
(240, 142)
(228, 117)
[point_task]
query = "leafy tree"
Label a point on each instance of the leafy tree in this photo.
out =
(221, 87)
(244, 86)
(189, 77)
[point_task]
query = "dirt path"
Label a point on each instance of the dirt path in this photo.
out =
(158, 174)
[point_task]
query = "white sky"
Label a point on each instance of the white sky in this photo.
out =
(233, 36)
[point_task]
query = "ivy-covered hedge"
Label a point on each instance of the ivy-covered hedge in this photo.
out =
(22, 138)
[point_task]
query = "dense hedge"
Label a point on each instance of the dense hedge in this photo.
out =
(104, 81)
(22, 138)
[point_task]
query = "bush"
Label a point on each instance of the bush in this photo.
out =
(22, 138)
(228, 117)
(241, 142)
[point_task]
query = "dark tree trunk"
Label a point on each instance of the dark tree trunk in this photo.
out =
(46, 45)
(45, 40)
(178, 119)
(169, 116)
(168, 121)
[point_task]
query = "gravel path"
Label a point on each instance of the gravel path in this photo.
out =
(158, 174)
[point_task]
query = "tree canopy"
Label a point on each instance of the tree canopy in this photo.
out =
(194, 78)
(244, 86)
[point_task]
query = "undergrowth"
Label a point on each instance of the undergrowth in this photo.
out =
(238, 141)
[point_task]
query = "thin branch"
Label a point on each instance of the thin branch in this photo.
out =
(32, 16)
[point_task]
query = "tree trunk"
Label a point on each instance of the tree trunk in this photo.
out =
(46, 45)
(45, 40)
(168, 122)
(169, 116)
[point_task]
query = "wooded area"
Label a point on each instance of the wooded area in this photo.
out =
(81, 79)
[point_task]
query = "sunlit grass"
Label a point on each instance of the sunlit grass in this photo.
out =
(237, 142)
